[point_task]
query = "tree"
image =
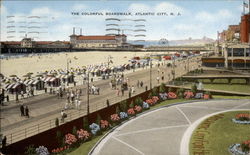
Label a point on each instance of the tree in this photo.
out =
(57, 122)
(117, 110)
(180, 93)
(74, 131)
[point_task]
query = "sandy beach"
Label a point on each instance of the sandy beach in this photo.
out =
(34, 64)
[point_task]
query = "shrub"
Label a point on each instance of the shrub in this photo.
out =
(98, 119)
(30, 150)
(209, 94)
(155, 91)
(194, 88)
(131, 104)
(86, 124)
(162, 88)
(180, 93)
(74, 130)
(138, 101)
(59, 137)
(172, 95)
(170, 89)
(117, 110)
(150, 95)
(124, 106)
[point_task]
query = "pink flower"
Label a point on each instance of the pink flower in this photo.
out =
(138, 108)
(70, 139)
(131, 111)
(104, 124)
(188, 94)
(150, 102)
(82, 134)
(115, 117)
(206, 96)
(172, 95)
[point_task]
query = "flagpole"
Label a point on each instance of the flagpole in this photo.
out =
(243, 8)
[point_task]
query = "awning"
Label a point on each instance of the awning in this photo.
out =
(10, 86)
(52, 79)
(47, 79)
(43, 79)
(35, 82)
(16, 85)
(30, 82)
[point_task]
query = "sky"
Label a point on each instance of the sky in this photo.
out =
(53, 20)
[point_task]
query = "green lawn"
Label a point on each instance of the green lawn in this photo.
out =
(222, 134)
(230, 97)
(227, 87)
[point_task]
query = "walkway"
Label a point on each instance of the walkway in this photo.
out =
(165, 130)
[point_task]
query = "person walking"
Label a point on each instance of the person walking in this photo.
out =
(22, 110)
(141, 83)
(4, 142)
(27, 111)
(158, 79)
(122, 89)
(117, 91)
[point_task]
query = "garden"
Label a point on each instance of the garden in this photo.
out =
(81, 140)
(222, 134)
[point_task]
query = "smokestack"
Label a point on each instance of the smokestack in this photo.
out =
(73, 30)
(81, 31)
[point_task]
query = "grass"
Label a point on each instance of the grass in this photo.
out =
(222, 134)
(87, 146)
(243, 88)
(230, 97)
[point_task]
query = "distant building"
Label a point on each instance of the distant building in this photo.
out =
(27, 42)
(81, 41)
(245, 28)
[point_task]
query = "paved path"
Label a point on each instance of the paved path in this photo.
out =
(163, 131)
(45, 108)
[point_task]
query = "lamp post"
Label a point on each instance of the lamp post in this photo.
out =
(88, 94)
(150, 71)
(68, 61)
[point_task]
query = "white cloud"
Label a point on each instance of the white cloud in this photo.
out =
(139, 7)
(167, 7)
(79, 7)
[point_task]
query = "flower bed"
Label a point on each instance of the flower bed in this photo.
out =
(242, 118)
(240, 149)
(101, 125)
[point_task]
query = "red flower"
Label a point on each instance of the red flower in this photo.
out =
(131, 111)
(104, 124)
(172, 95)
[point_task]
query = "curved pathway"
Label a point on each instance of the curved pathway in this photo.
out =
(165, 130)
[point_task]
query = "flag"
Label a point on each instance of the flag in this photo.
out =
(245, 5)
